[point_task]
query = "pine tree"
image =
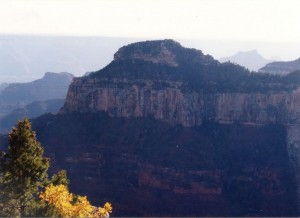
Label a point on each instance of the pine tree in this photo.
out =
(24, 172)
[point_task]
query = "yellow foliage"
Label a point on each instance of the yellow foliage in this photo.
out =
(108, 207)
(82, 207)
(60, 197)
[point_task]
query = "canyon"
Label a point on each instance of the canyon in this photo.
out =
(165, 130)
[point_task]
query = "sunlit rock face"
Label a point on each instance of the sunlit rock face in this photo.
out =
(125, 98)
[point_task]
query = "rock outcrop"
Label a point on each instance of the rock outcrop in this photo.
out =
(159, 93)
(166, 52)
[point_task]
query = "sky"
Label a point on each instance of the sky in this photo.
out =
(262, 21)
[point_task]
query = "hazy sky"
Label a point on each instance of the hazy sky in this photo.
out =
(269, 21)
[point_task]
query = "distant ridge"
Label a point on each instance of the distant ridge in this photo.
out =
(249, 59)
(51, 86)
(281, 67)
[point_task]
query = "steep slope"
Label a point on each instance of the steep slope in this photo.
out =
(281, 67)
(249, 59)
(163, 125)
(51, 86)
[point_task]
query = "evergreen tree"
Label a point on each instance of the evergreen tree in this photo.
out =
(60, 178)
(23, 172)
(24, 186)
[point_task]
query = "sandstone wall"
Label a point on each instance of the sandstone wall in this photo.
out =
(123, 98)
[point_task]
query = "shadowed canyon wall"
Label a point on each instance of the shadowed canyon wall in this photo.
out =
(146, 167)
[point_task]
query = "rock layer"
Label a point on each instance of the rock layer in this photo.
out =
(141, 98)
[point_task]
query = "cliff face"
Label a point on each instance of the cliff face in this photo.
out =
(282, 107)
(136, 99)
(142, 98)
